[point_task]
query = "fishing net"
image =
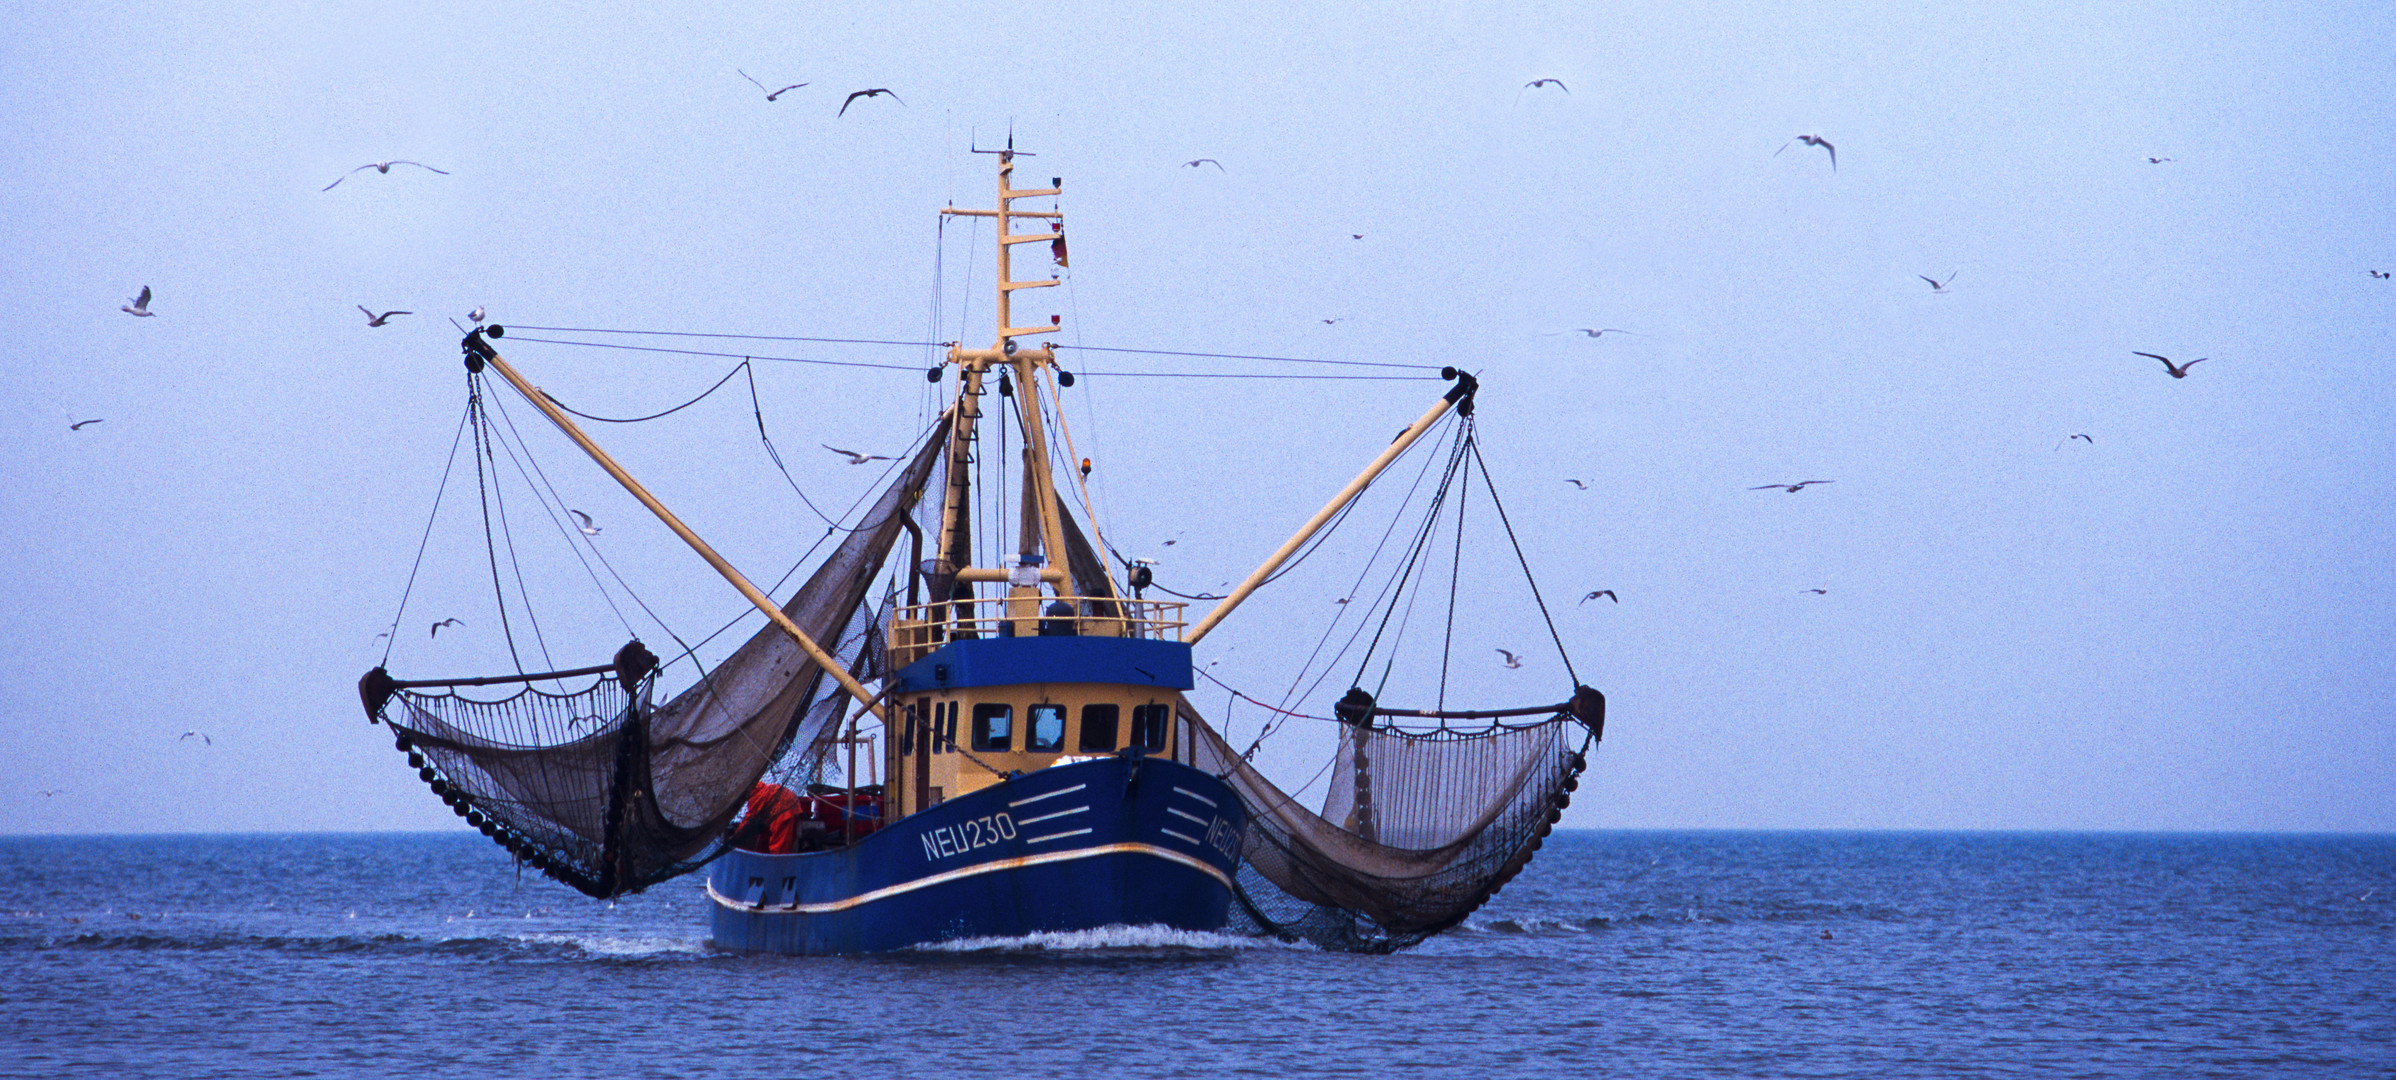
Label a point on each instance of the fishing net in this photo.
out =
(1419, 828)
(610, 795)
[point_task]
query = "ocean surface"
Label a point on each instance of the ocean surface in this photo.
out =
(1635, 954)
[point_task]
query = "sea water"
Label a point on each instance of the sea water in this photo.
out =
(1636, 954)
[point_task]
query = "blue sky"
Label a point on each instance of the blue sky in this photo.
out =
(2185, 622)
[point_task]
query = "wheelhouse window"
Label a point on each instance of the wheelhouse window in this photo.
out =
(993, 726)
(1151, 725)
(1098, 728)
(1045, 727)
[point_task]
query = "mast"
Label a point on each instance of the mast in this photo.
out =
(1040, 526)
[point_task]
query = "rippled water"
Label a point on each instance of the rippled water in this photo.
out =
(1616, 954)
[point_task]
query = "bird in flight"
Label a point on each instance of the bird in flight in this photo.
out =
(1936, 285)
(1581, 484)
(2376, 273)
(445, 622)
(2178, 371)
(80, 424)
(1607, 593)
(1204, 161)
(769, 94)
(1537, 83)
(1356, 236)
(1512, 661)
(875, 92)
(855, 458)
(52, 791)
(584, 522)
(1816, 592)
(1813, 140)
(1341, 319)
(1597, 332)
(1791, 488)
(204, 739)
(2157, 160)
(140, 305)
(2082, 438)
(373, 319)
(381, 167)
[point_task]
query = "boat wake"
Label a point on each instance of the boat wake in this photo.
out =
(1111, 941)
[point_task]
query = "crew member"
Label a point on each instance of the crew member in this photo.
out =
(771, 824)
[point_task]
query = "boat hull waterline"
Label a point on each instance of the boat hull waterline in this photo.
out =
(1117, 841)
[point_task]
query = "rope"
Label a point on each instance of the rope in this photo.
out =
(719, 384)
(741, 337)
(392, 638)
(482, 449)
(1526, 568)
(727, 355)
(1239, 356)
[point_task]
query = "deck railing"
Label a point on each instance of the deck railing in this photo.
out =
(918, 629)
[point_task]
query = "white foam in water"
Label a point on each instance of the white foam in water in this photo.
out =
(620, 946)
(1152, 937)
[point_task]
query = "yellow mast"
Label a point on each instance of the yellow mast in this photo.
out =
(1039, 513)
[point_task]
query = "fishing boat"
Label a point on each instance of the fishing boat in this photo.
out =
(967, 743)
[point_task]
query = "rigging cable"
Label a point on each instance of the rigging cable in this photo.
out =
(1526, 569)
(727, 355)
(499, 497)
(1447, 643)
(391, 638)
(551, 490)
(474, 400)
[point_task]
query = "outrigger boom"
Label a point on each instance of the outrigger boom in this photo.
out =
(480, 352)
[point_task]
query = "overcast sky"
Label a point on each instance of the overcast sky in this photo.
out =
(2185, 621)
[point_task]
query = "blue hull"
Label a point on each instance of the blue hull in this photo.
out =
(1115, 841)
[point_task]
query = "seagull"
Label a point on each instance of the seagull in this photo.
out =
(1204, 161)
(140, 305)
(373, 319)
(1816, 592)
(1355, 236)
(2178, 371)
(1512, 661)
(1936, 285)
(380, 167)
(1813, 140)
(855, 458)
(876, 92)
(61, 791)
(476, 315)
(1607, 593)
(770, 94)
(445, 622)
(2082, 438)
(1537, 83)
(587, 528)
(79, 424)
(205, 740)
(2376, 273)
(2157, 160)
(1594, 333)
(1581, 484)
(1791, 488)
(1341, 319)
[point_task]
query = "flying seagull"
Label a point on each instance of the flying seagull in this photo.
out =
(1341, 319)
(2082, 438)
(1816, 592)
(1356, 236)
(1581, 484)
(2157, 160)
(373, 319)
(140, 305)
(381, 167)
(52, 791)
(1512, 661)
(445, 622)
(855, 458)
(875, 92)
(587, 528)
(1537, 83)
(769, 94)
(1791, 488)
(204, 739)
(1594, 333)
(2376, 273)
(80, 424)
(1936, 285)
(1813, 140)
(1204, 161)
(476, 315)
(1607, 593)
(2178, 371)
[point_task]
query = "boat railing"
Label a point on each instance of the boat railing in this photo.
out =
(918, 629)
